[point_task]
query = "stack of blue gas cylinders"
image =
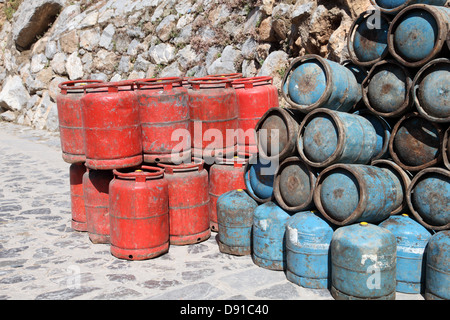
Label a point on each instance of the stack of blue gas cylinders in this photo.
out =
(350, 188)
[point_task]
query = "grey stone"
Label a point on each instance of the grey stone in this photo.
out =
(51, 49)
(172, 70)
(199, 291)
(33, 19)
(65, 294)
(141, 64)
(301, 11)
(58, 63)
(229, 62)
(38, 62)
(165, 27)
(162, 53)
(13, 96)
(107, 36)
(74, 67)
(8, 116)
(249, 48)
(186, 57)
(124, 64)
(90, 38)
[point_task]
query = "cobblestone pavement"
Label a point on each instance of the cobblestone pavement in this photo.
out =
(42, 257)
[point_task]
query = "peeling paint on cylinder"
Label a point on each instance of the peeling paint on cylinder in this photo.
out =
(235, 220)
(163, 109)
(139, 213)
(76, 171)
(255, 95)
(313, 82)
(395, 6)
(428, 198)
(294, 185)
(363, 263)
(96, 202)
(269, 229)
(437, 282)
(415, 142)
(111, 126)
(431, 90)
(386, 89)
(412, 239)
(224, 175)
(367, 41)
(68, 103)
(308, 238)
(349, 193)
(189, 202)
(418, 33)
(326, 137)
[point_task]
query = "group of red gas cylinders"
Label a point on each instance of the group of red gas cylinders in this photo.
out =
(138, 176)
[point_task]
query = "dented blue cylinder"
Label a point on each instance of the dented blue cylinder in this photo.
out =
(363, 263)
(395, 6)
(349, 193)
(308, 238)
(235, 220)
(326, 137)
(418, 33)
(412, 239)
(437, 281)
(431, 90)
(313, 82)
(367, 40)
(269, 230)
(258, 177)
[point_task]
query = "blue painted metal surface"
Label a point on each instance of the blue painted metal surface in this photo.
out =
(349, 193)
(382, 130)
(368, 40)
(386, 90)
(437, 281)
(395, 6)
(363, 262)
(314, 82)
(269, 230)
(235, 220)
(428, 198)
(418, 33)
(258, 176)
(431, 90)
(327, 137)
(412, 239)
(308, 238)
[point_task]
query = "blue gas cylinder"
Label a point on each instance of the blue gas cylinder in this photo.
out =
(308, 238)
(258, 177)
(269, 229)
(395, 6)
(363, 263)
(412, 239)
(437, 281)
(235, 220)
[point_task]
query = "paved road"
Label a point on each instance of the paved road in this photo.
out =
(41, 257)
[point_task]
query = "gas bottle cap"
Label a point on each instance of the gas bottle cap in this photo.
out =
(138, 171)
(240, 190)
(405, 215)
(363, 224)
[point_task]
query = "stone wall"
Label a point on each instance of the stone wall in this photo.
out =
(50, 41)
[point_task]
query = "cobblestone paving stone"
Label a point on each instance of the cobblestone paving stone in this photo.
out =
(42, 257)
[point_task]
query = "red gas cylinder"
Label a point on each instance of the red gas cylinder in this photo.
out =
(224, 175)
(214, 117)
(139, 219)
(235, 75)
(76, 172)
(111, 126)
(188, 202)
(164, 116)
(68, 103)
(96, 203)
(255, 96)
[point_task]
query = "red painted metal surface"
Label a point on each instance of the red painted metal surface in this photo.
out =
(164, 111)
(235, 75)
(96, 202)
(213, 111)
(224, 175)
(188, 202)
(255, 96)
(76, 172)
(139, 213)
(68, 103)
(111, 126)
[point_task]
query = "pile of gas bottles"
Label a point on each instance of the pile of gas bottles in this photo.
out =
(345, 189)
